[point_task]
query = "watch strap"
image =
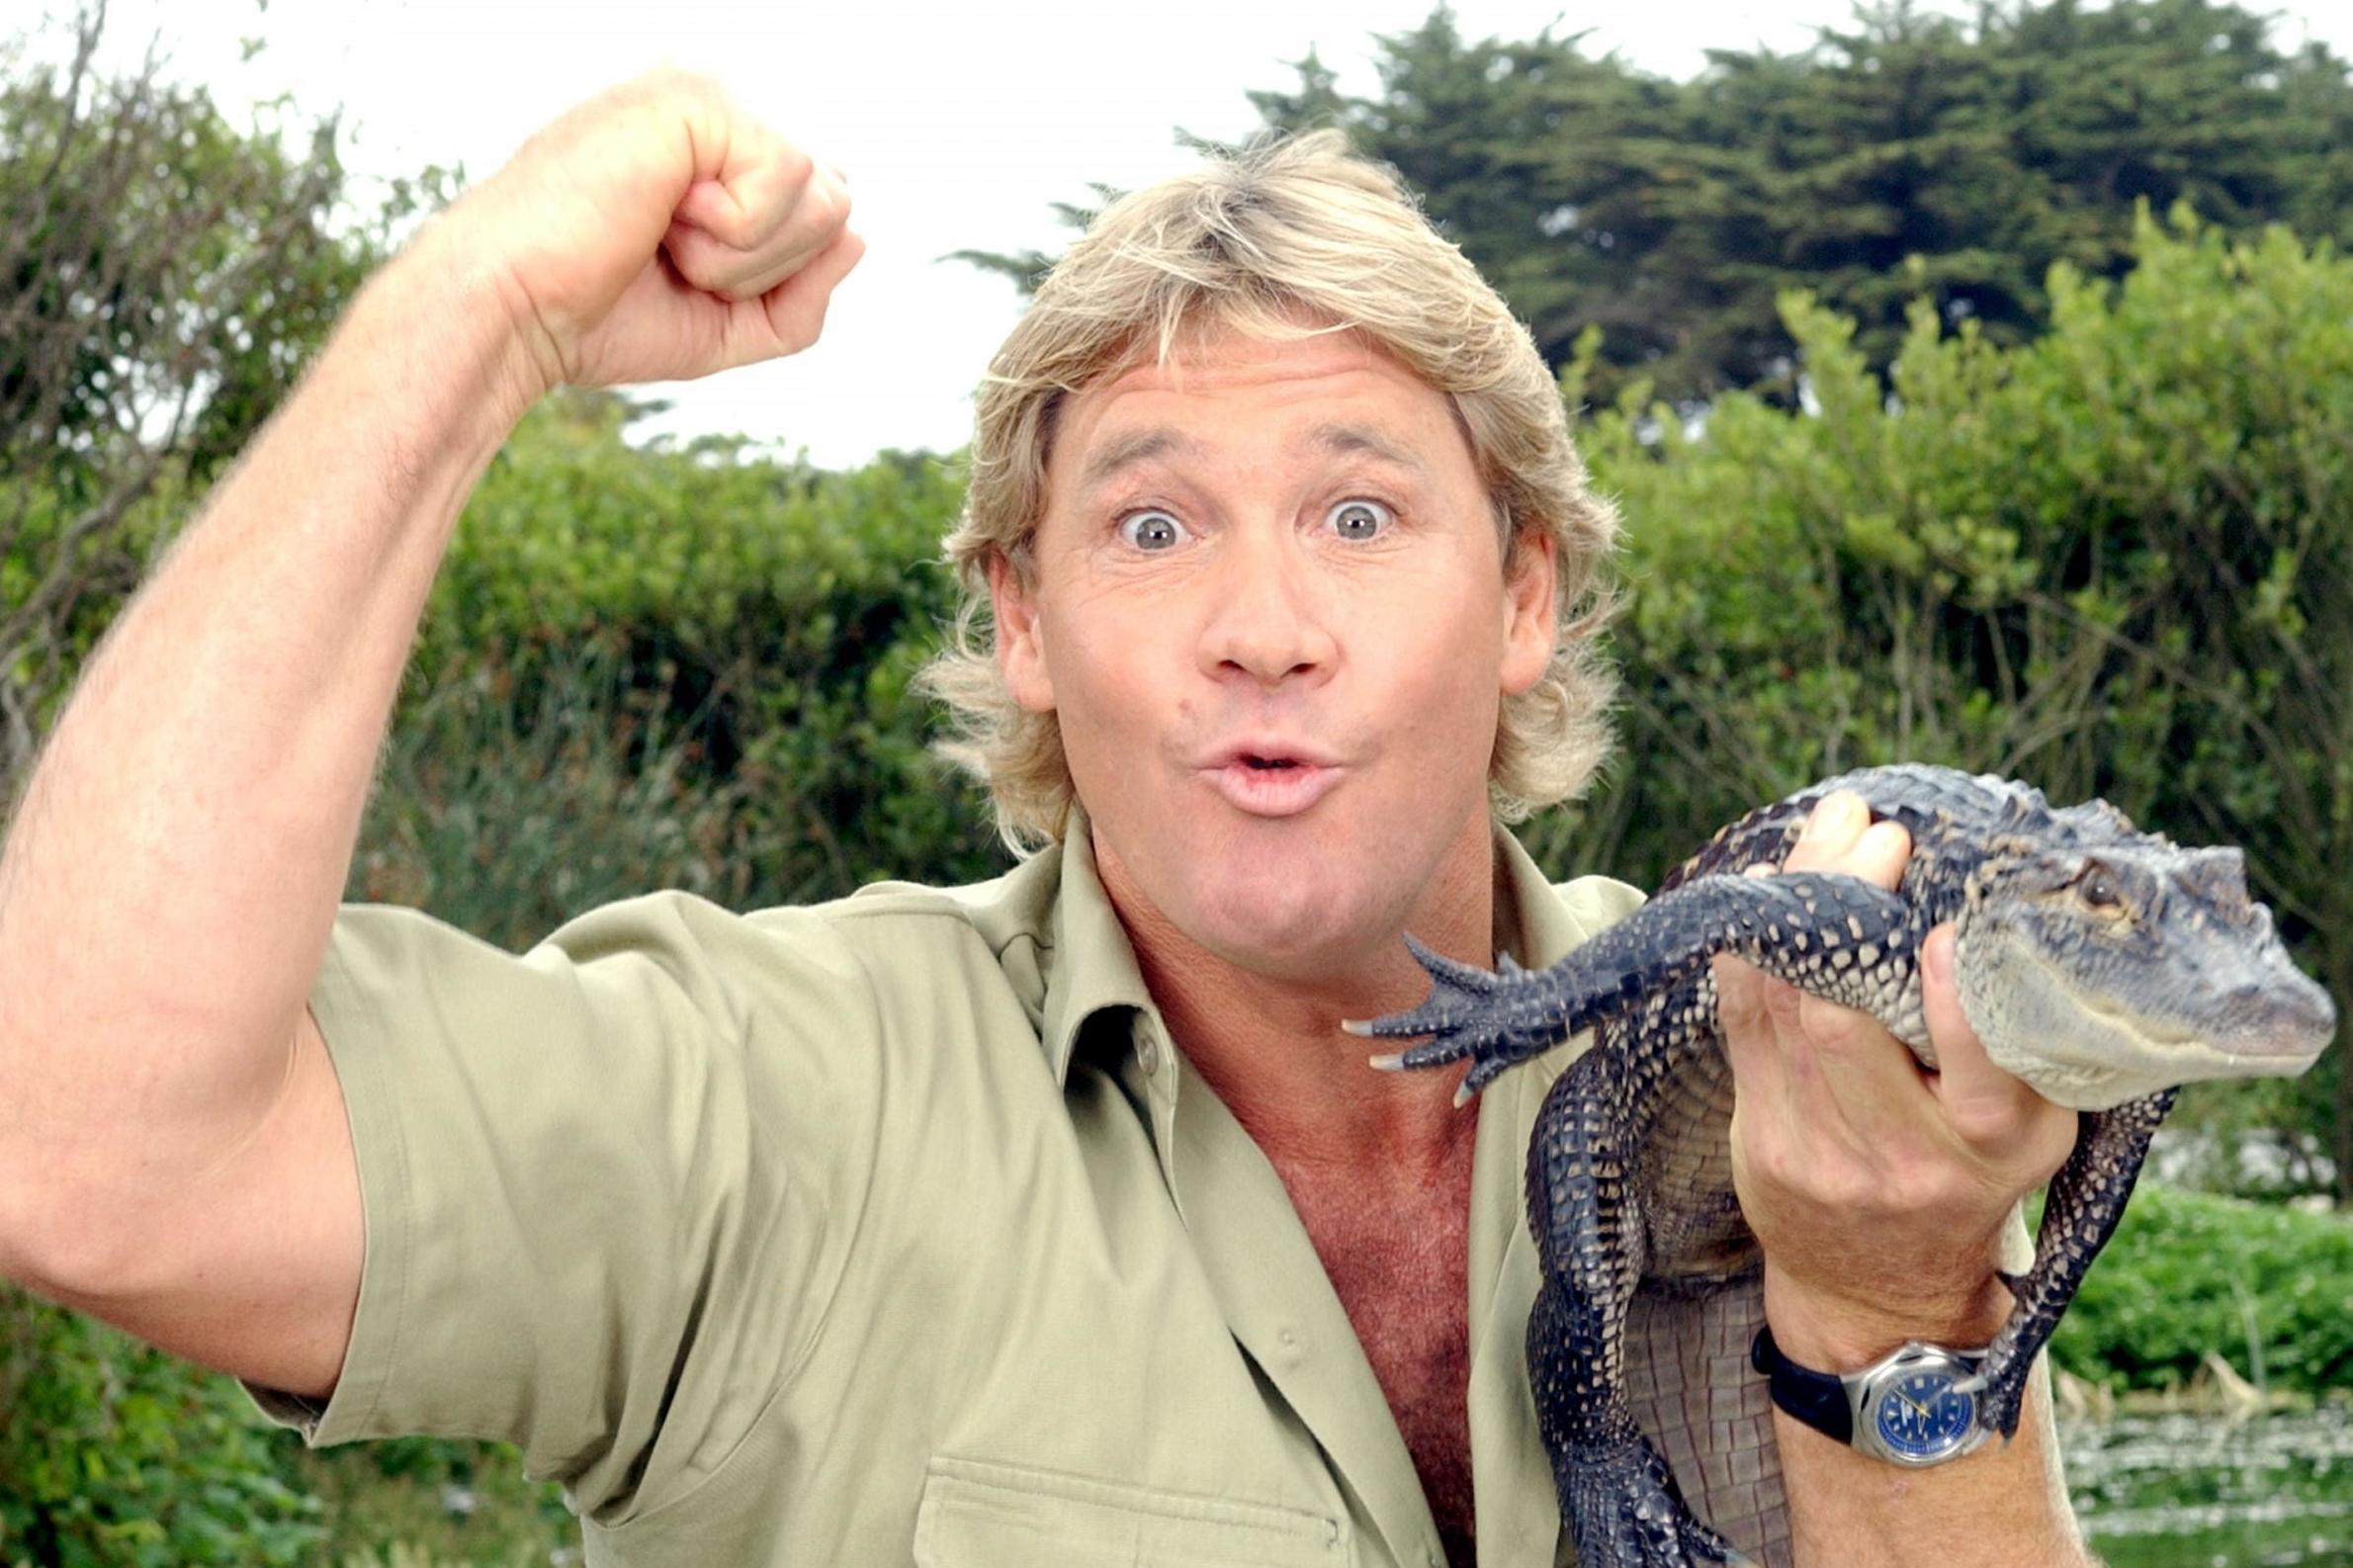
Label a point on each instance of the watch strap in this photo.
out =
(1816, 1398)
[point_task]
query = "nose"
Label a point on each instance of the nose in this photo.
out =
(1267, 619)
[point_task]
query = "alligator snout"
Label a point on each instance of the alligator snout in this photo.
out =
(2293, 1016)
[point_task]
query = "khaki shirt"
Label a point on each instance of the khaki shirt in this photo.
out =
(891, 1229)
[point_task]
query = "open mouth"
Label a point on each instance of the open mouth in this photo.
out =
(1266, 785)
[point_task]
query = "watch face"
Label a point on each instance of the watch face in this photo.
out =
(1919, 1417)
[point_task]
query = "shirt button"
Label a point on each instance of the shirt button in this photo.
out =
(1148, 1055)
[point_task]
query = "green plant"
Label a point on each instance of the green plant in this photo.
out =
(116, 1455)
(2187, 1273)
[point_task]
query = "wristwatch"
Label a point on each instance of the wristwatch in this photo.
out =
(1905, 1409)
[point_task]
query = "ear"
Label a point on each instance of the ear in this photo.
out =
(1531, 622)
(1020, 640)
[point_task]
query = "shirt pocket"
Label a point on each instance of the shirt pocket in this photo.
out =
(980, 1515)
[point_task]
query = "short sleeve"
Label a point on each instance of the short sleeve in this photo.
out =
(597, 1181)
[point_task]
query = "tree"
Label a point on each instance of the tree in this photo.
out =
(163, 276)
(1543, 165)
(1908, 156)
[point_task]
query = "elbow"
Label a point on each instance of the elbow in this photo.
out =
(57, 1244)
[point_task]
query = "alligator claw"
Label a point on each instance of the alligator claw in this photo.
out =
(1465, 1014)
(2001, 1394)
(1625, 1512)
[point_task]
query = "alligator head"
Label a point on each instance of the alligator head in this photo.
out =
(2106, 964)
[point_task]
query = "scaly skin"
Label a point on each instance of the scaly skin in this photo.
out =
(2102, 965)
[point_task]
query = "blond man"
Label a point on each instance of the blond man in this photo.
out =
(1049, 1220)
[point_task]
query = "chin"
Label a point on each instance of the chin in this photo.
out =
(1298, 913)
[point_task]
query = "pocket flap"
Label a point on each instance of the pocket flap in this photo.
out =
(977, 1514)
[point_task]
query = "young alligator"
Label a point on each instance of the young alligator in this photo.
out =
(2104, 966)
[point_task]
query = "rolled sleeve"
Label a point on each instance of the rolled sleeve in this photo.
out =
(589, 1226)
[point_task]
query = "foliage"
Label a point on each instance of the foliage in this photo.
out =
(748, 626)
(438, 1501)
(163, 274)
(115, 1455)
(2192, 1272)
(2112, 561)
(1908, 156)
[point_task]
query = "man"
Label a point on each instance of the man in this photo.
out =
(1052, 1220)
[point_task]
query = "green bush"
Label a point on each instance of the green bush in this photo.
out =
(428, 1501)
(763, 618)
(507, 803)
(2192, 1272)
(115, 1455)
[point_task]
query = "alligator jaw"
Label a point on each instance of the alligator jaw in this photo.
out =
(2089, 1052)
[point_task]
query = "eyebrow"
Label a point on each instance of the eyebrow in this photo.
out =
(1145, 446)
(1141, 446)
(1346, 440)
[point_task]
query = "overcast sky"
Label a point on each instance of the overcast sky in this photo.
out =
(957, 124)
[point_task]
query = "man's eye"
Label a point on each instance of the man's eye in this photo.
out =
(1360, 519)
(1152, 528)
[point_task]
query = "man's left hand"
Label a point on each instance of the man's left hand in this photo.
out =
(1879, 1190)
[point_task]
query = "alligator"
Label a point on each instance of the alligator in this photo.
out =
(2104, 966)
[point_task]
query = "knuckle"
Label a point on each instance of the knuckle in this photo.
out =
(797, 330)
(824, 209)
(1771, 1162)
(793, 166)
(1917, 1187)
(697, 257)
(1845, 1186)
(1830, 1027)
(1984, 1122)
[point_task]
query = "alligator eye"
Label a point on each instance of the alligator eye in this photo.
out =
(2098, 890)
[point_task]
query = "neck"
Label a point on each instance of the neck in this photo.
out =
(1271, 1045)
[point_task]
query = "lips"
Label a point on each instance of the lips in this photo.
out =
(1270, 779)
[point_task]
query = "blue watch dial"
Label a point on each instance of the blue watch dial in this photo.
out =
(1920, 1416)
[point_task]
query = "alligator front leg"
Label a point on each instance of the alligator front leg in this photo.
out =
(1618, 1497)
(1839, 937)
(2079, 1214)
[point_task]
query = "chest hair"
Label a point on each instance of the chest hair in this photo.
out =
(1401, 1266)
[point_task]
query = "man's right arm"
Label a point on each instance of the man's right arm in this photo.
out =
(174, 1155)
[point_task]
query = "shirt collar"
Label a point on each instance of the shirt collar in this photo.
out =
(1093, 966)
(1094, 962)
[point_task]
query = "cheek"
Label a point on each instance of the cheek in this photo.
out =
(1110, 675)
(1445, 634)
(1456, 675)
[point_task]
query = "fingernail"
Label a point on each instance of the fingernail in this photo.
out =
(1936, 956)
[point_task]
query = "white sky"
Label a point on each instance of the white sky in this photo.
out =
(957, 124)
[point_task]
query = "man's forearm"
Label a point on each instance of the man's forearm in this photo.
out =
(2004, 1505)
(169, 886)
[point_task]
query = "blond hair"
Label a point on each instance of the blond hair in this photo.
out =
(1284, 239)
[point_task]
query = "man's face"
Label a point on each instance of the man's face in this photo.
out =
(1268, 603)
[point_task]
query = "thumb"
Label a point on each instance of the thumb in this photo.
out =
(1989, 1108)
